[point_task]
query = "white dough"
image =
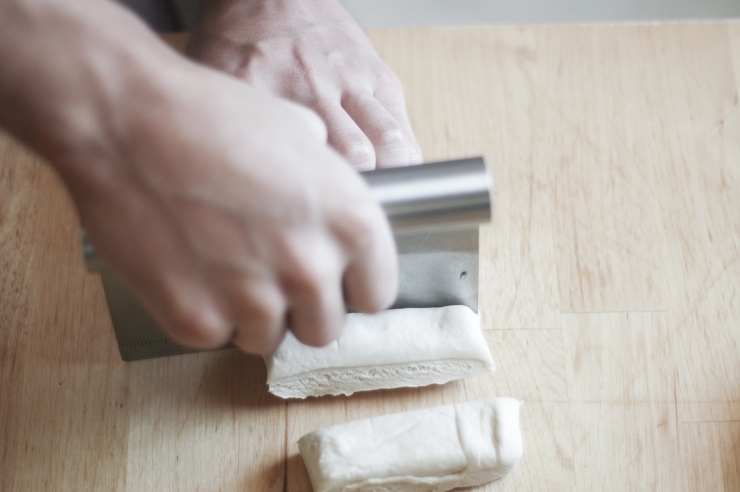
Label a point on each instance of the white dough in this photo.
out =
(434, 449)
(391, 349)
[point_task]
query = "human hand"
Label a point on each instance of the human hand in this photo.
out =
(221, 206)
(230, 218)
(313, 52)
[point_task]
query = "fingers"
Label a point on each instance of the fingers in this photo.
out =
(347, 138)
(373, 131)
(386, 135)
(256, 315)
(312, 285)
(308, 294)
(258, 311)
(370, 281)
(368, 135)
(187, 315)
(319, 279)
(391, 97)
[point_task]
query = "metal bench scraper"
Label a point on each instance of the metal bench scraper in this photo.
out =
(434, 210)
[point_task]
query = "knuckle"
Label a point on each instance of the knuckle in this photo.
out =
(386, 77)
(360, 154)
(199, 327)
(263, 311)
(312, 277)
(259, 319)
(320, 336)
(363, 231)
(306, 282)
(357, 149)
(391, 136)
(258, 340)
(297, 273)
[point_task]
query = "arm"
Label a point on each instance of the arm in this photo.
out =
(313, 52)
(220, 206)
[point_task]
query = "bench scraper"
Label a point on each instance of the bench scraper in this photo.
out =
(434, 211)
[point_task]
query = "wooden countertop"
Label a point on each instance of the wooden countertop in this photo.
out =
(610, 284)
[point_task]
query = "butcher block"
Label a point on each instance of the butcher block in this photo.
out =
(609, 284)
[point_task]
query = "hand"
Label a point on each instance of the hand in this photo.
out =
(231, 219)
(313, 52)
(221, 206)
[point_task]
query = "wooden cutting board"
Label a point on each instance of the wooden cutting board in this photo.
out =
(610, 291)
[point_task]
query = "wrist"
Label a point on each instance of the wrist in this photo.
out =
(245, 21)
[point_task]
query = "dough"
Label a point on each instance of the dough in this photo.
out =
(391, 349)
(434, 449)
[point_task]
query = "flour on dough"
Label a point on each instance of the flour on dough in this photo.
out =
(434, 449)
(394, 348)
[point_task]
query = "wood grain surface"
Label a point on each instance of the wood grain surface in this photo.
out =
(610, 291)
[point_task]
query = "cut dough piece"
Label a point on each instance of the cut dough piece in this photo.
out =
(434, 449)
(391, 349)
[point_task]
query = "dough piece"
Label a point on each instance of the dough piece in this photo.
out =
(391, 349)
(434, 449)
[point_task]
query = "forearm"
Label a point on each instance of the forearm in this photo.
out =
(71, 75)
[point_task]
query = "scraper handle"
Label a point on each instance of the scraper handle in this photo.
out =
(439, 194)
(434, 195)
